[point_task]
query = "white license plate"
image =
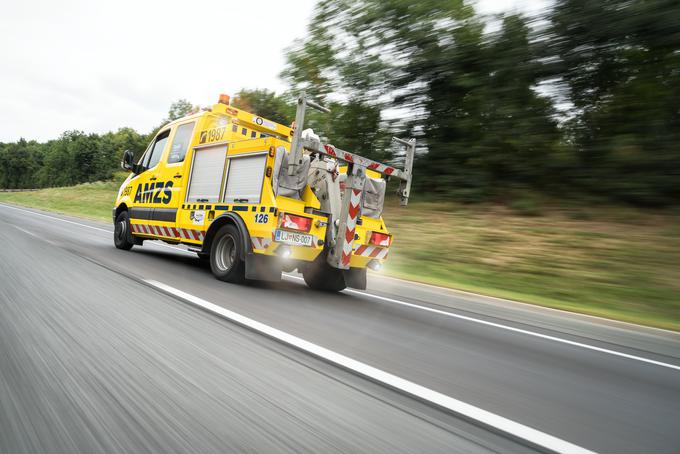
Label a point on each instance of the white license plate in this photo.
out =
(295, 239)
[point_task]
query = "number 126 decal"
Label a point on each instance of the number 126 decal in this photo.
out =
(261, 218)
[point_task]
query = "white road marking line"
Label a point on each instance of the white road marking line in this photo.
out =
(522, 303)
(27, 232)
(518, 330)
(89, 226)
(35, 236)
(58, 219)
(490, 419)
(507, 328)
(403, 303)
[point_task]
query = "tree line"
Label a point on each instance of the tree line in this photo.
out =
(75, 157)
(581, 99)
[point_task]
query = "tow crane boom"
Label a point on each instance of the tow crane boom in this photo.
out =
(342, 244)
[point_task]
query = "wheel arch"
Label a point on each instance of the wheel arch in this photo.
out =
(119, 209)
(224, 219)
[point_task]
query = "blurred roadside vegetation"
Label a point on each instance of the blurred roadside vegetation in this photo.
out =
(614, 262)
(619, 263)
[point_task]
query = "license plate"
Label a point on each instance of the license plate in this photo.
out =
(295, 239)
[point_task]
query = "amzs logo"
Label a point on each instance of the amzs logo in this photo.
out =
(152, 193)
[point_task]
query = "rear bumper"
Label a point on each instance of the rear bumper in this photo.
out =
(364, 254)
(264, 246)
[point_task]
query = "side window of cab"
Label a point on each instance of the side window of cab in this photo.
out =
(180, 143)
(154, 151)
(145, 157)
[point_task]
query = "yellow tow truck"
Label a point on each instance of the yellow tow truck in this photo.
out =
(256, 198)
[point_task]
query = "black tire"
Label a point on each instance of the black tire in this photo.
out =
(122, 235)
(225, 260)
(319, 275)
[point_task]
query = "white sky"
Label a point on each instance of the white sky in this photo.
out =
(97, 66)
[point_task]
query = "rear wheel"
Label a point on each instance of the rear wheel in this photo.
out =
(319, 275)
(122, 236)
(225, 260)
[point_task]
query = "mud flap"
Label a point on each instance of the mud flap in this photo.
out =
(355, 278)
(262, 267)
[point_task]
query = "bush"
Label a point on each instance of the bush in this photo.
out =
(526, 205)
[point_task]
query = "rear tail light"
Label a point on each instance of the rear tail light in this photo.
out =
(292, 222)
(380, 239)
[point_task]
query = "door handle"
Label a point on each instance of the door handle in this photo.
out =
(178, 175)
(152, 179)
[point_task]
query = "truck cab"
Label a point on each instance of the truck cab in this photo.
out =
(255, 198)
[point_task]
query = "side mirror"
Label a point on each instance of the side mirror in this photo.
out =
(127, 163)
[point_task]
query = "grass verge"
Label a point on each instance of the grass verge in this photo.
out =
(614, 262)
(88, 200)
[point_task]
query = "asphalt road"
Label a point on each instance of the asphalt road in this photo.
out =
(92, 359)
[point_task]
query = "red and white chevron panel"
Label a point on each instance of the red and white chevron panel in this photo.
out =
(371, 251)
(260, 242)
(157, 230)
(190, 234)
(169, 232)
(352, 215)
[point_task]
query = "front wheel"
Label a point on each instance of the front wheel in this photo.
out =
(122, 236)
(225, 260)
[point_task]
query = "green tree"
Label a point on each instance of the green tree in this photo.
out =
(469, 97)
(179, 109)
(357, 127)
(115, 143)
(73, 158)
(19, 163)
(336, 59)
(267, 104)
(520, 143)
(620, 68)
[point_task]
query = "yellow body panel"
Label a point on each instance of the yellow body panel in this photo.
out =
(160, 190)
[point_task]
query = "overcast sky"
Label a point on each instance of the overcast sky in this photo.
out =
(97, 66)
